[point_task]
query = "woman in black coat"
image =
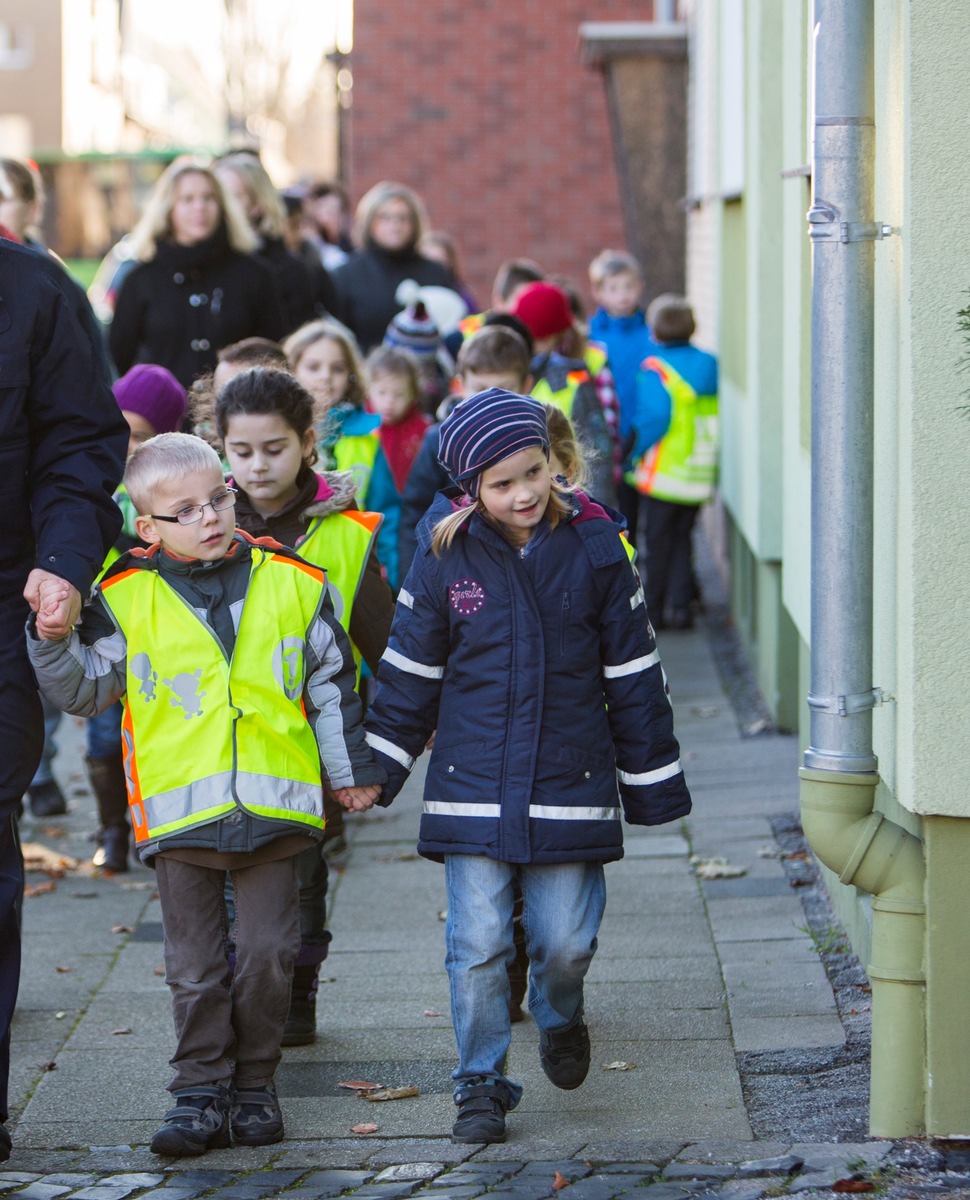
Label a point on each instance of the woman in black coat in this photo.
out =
(306, 292)
(390, 220)
(197, 286)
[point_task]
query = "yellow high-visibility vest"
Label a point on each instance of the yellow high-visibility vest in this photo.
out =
(341, 543)
(682, 466)
(203, 733)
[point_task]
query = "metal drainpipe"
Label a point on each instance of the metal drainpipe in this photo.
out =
(839, 777)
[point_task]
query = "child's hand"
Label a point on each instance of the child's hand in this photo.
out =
(56, 602)
(358, 799)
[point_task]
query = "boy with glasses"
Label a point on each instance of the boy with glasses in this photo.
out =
(238, 686)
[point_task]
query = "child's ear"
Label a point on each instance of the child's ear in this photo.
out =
(308, 443)
(147, 529)
(528, 384)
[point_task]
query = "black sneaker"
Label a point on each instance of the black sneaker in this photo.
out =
(481, 1113)
(564, 1055)
(47, 800)
(301, 1020)
(255, 1116)
(5, 1143)
(198, 1122)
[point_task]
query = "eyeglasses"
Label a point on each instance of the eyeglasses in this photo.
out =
(195, 512)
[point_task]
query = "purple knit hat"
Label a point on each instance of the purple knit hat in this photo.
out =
(153, 393)
(487, 428)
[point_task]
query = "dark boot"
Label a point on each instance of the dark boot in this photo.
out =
(481, 1111)
(301, 1021)
(518, 972)
(47, 799)
(107, 776)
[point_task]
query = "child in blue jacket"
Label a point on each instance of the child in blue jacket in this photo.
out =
(521, 636)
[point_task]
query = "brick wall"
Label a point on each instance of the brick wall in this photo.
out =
(488, 112)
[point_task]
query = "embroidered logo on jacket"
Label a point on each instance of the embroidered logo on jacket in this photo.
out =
(466, 596)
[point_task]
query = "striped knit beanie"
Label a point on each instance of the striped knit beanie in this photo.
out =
(487, 428)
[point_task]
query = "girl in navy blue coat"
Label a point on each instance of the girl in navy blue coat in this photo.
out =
(521, 636)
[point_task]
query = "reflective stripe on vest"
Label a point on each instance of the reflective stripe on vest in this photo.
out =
(200, 733)
(682, 466)
(566, 396)
(356, 453)
(341, 543)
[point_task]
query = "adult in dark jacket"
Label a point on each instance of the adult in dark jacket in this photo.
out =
(197, 286)
(390, 219)
(306, 291)
(62, 452)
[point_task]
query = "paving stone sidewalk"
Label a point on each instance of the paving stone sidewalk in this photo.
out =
(693, 976)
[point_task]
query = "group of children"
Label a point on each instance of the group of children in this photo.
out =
(262, 574)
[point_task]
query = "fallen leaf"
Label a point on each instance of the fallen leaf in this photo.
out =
(38, 857)
(50, 1066)
(39, 889)
(769, 852)
(559, 1181)
(619, 1066)
(359, 1085)
(431, 1012)
(400, 1093)
(443, 915)
(855, 1183)
(122, 929)
(119, 1032)
(63, 970)
(797, 856)
(716, 868)
(59, 1016)
(158, 970)
(366, 1127)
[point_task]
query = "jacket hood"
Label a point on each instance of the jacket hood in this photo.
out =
(335, 493)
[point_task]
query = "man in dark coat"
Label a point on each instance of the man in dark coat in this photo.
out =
(62, 452)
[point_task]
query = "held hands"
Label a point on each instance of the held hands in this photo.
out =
(56, 602)
(358, 799)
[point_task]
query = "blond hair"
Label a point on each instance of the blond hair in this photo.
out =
(162, 458)
(613, 262)
(446, 530)
(564, 443)
(156, 221)
(270, 218)
(297, 344)
(379, 194)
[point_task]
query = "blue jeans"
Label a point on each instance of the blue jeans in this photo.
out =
(52, 719)
(104, 732)
(564, 905)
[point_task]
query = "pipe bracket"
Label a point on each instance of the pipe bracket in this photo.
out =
(846, 706)
(864, 231)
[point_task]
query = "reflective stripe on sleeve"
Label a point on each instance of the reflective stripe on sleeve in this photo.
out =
(657, 776)
(631, 667)
(407, 599)
(637, 598)
(412, 667)
(388, 748)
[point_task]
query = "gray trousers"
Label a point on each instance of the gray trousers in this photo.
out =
(228, 1023)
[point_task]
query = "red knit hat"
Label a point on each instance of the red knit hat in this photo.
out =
(544, 308)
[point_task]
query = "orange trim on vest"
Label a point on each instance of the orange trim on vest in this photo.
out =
(106, 583)
(139, 820)
(307, 568)
(369, 520)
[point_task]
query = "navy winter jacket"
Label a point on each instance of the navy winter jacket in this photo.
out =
(539, 671)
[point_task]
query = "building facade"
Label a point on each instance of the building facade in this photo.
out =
(750, 272)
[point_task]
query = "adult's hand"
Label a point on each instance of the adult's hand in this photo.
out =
(56, 602)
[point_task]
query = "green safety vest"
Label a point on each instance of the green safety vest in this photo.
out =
(682, 466)
(341, 543)
(201, 733)
(356, 453)
(566, 396)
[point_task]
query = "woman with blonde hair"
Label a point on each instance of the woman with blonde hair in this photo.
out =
(390, 220)
(197, 286)
(306, 290)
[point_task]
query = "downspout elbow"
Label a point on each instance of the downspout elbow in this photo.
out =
(880, 857)
(860, 845)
